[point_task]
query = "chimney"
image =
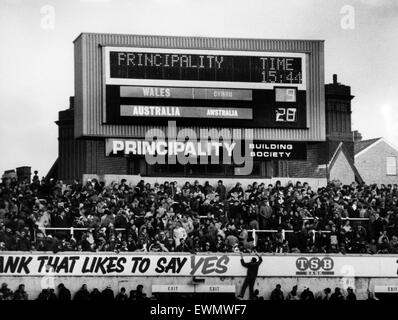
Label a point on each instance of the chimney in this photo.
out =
(357, 136)
(71, 102)
(335, 79)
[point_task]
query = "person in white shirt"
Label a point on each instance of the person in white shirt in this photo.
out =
(179, 233)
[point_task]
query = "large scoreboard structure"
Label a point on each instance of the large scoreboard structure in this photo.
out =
(126, 85)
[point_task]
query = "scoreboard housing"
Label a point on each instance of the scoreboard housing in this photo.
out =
(126, 84)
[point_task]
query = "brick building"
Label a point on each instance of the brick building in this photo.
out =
(376, 161)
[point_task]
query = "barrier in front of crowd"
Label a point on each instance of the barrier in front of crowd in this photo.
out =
(284, 231)
(229, 182)
(70, 230)
(254, 232)
(185, 264)
(40, 270)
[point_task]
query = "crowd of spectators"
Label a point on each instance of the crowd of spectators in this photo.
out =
(62, 293)
(307, 295)
(168, 217)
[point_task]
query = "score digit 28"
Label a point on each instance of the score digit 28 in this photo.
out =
(286, 115)
(287, 96)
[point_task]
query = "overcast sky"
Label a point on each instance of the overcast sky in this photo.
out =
(36, 56)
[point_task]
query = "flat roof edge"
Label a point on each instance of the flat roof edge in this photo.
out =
(196, 37)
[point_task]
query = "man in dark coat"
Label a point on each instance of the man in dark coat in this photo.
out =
(277, 294)
(337, 295)
(221, 190)
(139, 294)
(307, 294)
(95, 295)
(107, 294)
(63, 293)
(51, 295)
(20, 293)
(252, 271)
(351, 295)
(44, 295)
(265, 214)
(7, 293)
(122, 295)
(82, 294)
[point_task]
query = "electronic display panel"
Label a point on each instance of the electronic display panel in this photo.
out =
(204, 68)
(150, 86)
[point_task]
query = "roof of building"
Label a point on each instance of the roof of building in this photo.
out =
(341, 150)
(363, 144)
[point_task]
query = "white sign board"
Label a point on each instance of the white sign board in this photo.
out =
(215, 265)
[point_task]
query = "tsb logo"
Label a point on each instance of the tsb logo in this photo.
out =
(314, 266)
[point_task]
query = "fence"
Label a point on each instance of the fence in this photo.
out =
(253, 231)
(283, 231)
(71, 230)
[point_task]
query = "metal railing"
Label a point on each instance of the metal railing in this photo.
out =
(351, 219)
(253, 231)
(284, 231)
(71, 230)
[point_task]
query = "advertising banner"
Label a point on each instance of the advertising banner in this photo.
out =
(256, 150)
(216, 265)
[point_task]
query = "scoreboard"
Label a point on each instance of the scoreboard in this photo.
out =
(211, 87)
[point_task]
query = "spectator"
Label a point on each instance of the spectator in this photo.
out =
(307, 294)
(95, 295)
(179, 234)
(82, 294)
(6, 292)
(351, 295)
(293, 295)
(63, 293)
(324, 294)
(277, 294)
(44, 295)
(51, 295)
(337, 295)
(138, 294)
(20, 293)
(256, 295)
(122, 295)
(107, 294)
(132, 296)
(47, 295)
(35, 178)
(252, 270)
(221, 190)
